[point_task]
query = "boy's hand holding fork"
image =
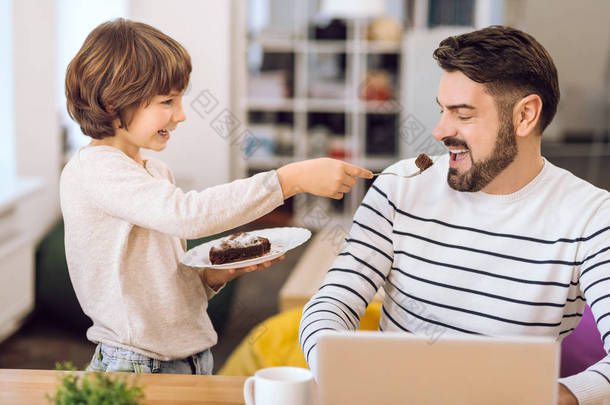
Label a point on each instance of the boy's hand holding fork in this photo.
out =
(324, 177)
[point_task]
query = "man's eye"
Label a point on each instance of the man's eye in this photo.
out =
(463, 118)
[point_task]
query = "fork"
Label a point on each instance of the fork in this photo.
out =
(407, 176)
(399, 175)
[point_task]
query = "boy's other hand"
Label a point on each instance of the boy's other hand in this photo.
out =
(324, 177)
(216, 278)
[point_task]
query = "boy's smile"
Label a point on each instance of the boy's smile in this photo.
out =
(149, 128)
(151, 124)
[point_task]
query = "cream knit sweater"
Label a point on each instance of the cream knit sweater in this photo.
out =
(125, 231)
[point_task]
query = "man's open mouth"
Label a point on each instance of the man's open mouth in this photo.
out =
(458, 154)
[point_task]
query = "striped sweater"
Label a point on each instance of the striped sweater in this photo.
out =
(474, 263)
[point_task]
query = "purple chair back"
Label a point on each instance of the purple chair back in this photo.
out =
(582, 347)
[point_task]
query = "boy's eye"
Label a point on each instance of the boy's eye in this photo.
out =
(168, 101)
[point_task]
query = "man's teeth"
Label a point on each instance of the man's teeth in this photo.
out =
(458, 151)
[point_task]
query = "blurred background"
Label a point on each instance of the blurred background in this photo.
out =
(274, 81)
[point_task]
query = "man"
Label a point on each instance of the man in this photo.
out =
(492, 239)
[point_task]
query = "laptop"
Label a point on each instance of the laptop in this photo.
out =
(363, 368)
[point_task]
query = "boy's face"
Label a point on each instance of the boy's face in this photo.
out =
(151, 124)
(481, 144)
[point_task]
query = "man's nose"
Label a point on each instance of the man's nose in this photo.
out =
(443, 129)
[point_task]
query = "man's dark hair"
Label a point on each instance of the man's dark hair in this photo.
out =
(511, 64)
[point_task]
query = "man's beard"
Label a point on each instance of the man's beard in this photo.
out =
(481, 173)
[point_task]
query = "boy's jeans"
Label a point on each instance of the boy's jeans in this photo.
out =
(109, 358)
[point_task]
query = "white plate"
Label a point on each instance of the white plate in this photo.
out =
(281, 240)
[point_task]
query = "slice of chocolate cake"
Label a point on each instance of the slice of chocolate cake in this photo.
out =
(239, 246)
(423, 162)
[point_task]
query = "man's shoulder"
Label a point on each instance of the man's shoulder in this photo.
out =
(572, 194)
(567, 183)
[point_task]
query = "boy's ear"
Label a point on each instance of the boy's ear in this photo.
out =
(116, 123)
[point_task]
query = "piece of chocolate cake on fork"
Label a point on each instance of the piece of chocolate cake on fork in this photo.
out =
(423, 162)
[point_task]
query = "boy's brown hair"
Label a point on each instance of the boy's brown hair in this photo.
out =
(122, 65)
(511, 64)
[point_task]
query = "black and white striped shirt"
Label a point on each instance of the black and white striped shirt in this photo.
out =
(474, 263)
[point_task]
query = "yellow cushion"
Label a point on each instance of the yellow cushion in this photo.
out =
(275, 342)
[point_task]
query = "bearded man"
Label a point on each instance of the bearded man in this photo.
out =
(493, 239)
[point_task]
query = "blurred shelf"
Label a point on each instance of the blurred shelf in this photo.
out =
(327, 46)
(322, 46)
(380, 107)
(270, 104)
(382, 47)
(274, 44)
(324, 105)
(325, 79)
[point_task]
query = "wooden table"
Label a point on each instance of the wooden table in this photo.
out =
(28, 387)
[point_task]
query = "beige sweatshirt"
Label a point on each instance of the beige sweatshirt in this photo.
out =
(125, 231)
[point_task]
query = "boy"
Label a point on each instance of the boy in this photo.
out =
(125, 220)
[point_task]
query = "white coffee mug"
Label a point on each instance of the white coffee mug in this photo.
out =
(280, 386)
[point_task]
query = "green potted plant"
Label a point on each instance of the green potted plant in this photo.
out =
(94, 388)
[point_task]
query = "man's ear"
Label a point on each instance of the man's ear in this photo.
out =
(526, 114)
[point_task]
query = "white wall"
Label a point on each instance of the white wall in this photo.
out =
(577, 35)
(37, 135)
(421, 77)
(197, 155)
(489, 12)
(75, 20)
(7, 137)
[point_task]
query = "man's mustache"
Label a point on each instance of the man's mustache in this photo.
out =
(455, 142)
